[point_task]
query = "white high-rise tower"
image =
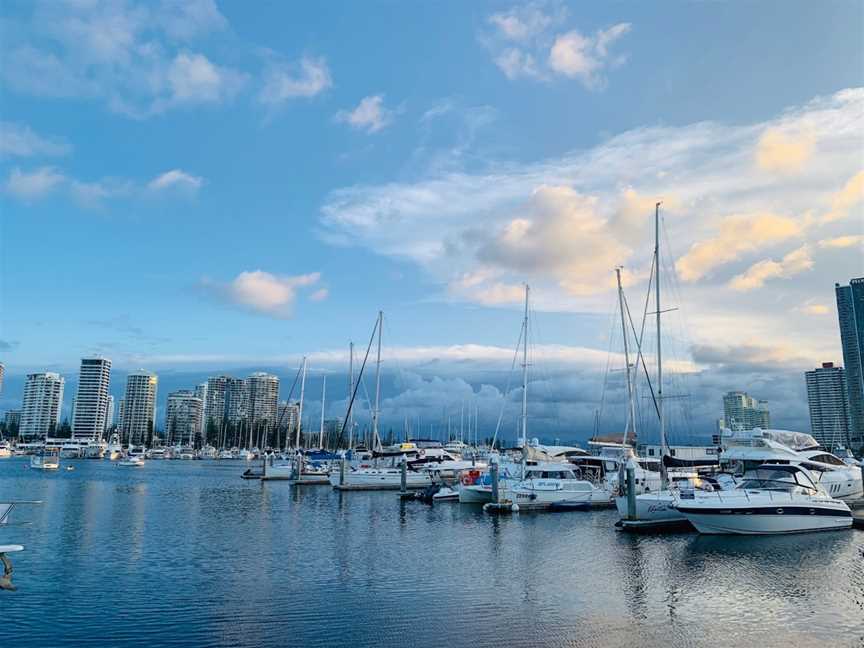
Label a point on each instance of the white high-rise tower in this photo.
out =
(43, 399)
(139, 407)
(91, 403)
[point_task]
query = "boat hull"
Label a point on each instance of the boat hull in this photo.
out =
(378, 479)
(652, 507)
(767, 521)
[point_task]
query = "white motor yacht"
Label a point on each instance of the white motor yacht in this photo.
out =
(5, 450)
(114, 450)
(744, 450)
(553, 485)
(47, 459)
(157, 453)
(207, 452)
(773, 499)
(131, 461)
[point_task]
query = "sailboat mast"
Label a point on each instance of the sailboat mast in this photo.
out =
(631, 407)
(663, 447)
(350, 392)
(525, 384)
(375, 437)
(300, 409)
(323, 397)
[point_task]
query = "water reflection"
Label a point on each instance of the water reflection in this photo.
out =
(181, 553)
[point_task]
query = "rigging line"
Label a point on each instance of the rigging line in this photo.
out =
(640, 356)
(507, 387)
(356, 386)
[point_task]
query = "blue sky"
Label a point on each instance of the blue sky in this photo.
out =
(198, 186)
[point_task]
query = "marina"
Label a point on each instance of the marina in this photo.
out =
(179, 544)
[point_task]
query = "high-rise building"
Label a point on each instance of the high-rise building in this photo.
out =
(90, 408)
(286, 417)
(236, 401)
(850, 313)
(139, 408)
(263, 390)
(201, 393)
(743, 412)
(12, 421)
(2, 374)
(829, 405)
(214, 402)
(43, 400)
(120, 413)
(109, 414)
(183, 414)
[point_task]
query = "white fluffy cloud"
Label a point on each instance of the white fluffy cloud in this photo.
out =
(793, 263)
(370, 115)
(19, 140)
(562, 224)
(263, 292)
(33, 185)
(525, 42)
(176, 178)
(582, 57)
(286, 81)
(136, 57)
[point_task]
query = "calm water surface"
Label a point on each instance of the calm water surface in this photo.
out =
(187, 554)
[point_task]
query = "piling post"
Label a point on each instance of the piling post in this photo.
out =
(404, 476)
(342, 471)
(493, 474)
(631, 489)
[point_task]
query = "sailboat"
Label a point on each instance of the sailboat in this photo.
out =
(657, 506)
(344, 477)
(548, 485)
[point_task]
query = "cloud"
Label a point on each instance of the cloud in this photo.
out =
(813, 309)
(8, 345)
(262, 292)
(849, 240)
(796, 262)
(844, 200)
(285, 81)
(370, 115)
(30, 186)
(19, 140)
(135, 57)
(523, 23)
(783, 152)
(504, 220)
(176, 178)
(737, 234)
(524, 44)
(320, 295)
(33, 185)
(581, 57)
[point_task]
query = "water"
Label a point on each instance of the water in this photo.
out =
(187, 554)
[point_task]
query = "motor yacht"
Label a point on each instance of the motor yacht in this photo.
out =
(157, 453)
(298, 470)
(207, 452)
(5, 450)
(744, 450)
(552, 485)
(114, 450)
(131, 461)
(46, 459)
(772, 499)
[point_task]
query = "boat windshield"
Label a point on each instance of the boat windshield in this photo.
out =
(777, 480)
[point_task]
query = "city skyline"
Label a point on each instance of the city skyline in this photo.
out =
(258, 190)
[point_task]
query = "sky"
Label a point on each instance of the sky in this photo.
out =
(198, 187)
